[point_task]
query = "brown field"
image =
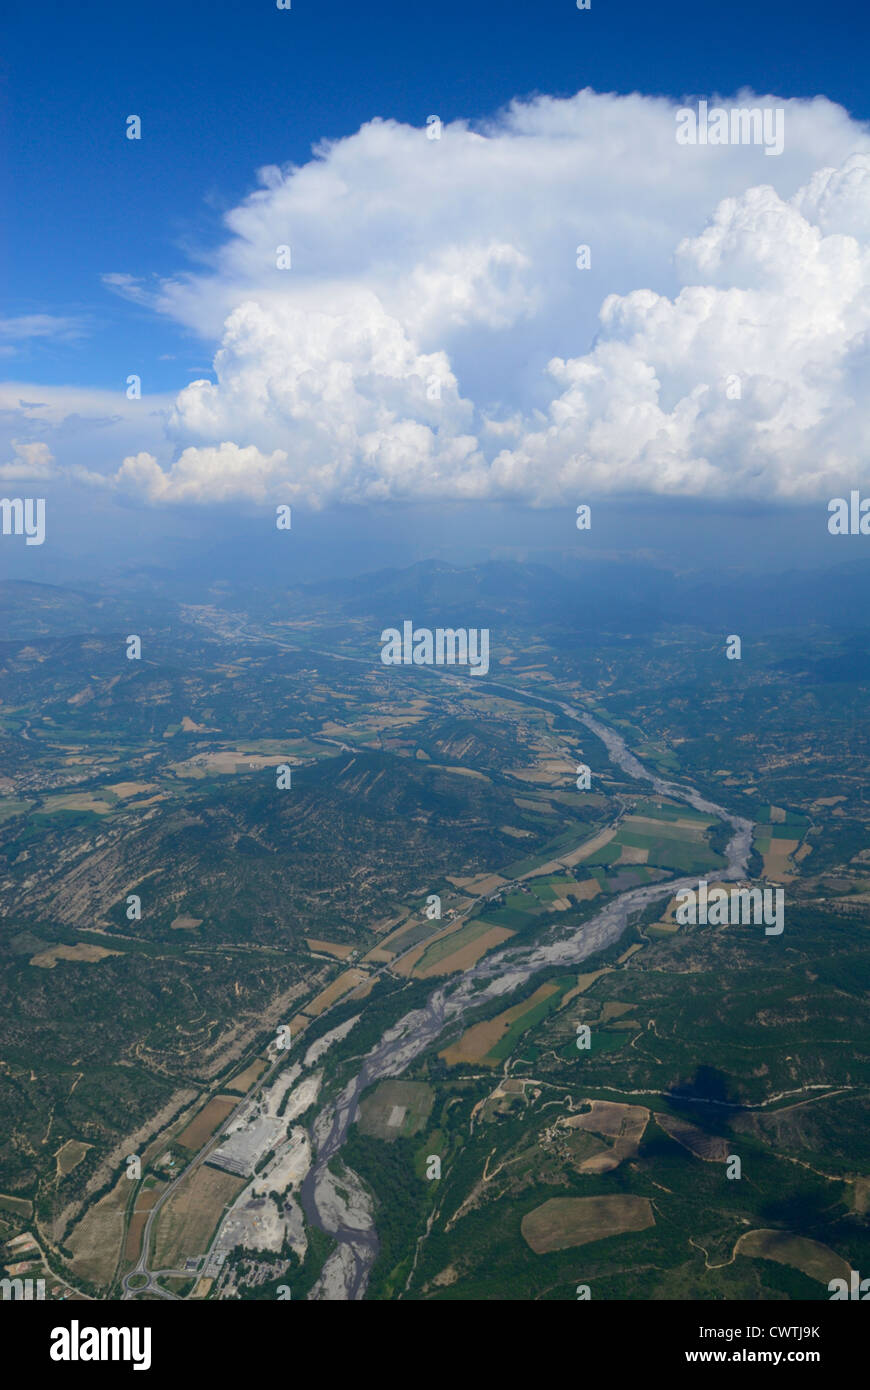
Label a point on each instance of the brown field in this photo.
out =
(648, 825)
(245, 1079)
(668, 916)
(583, 983)
(461, 771)
(343, 985)
(776, 860)
(378, 956)
(478, 1040)
(625, 1124)
(144, 1202)
(614, 1008)
(563, 1222)
(467, 955)
(203, 1125)
(125, 789)
(631, 855)
(70, 1155)
(405, 967)
(549, 772)
(188, 1220)
(812, 1258)
(329, 948)
(526, 805)
(712, 1148)
(552, 866)
(409, 961)
(83, 952)
(479, 884)
(227, 761)
(96, 1240)
(576, 856)
(186, 923)
(78, 801)
(515, 833)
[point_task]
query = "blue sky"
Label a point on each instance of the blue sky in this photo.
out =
(224, 88)
(438, 341)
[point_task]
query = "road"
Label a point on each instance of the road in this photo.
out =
(345, 1274)
(346, 1271)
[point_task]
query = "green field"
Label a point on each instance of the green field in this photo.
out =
(440, 950)
(505, 1046)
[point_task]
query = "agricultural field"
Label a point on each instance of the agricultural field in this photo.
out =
(564, 1222)
(459, 949)
(396, 1108)
(558, 1163)
(812, 1258)
(188, 1219)
(206, 1123)
(245, 1080)
(660, 836)
(491, 1042)
(778, 841)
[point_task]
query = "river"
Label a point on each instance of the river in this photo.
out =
(346, 1272)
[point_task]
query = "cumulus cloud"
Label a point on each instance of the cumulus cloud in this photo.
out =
(33, 460)
(433, 336)
(753, 380)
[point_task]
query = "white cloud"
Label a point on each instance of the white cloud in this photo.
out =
(130, 287)
(752, 381)
(33, 460)
(28, 326)
(434, 337)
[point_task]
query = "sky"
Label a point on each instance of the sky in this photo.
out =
(553, 301)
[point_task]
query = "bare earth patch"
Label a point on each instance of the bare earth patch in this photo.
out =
(712, 1148)
(343, 985)
(83, 952)
(188, 1220)
(203, 1125)
(70, 1155)
(329, 948)
(812, 1258)
(564, 1222)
